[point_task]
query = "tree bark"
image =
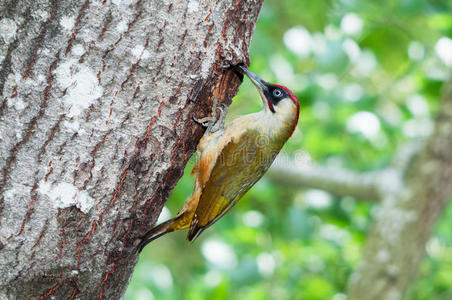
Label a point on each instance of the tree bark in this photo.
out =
(405, 220)
(96, 128)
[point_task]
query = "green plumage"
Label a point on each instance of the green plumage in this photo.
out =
(233, 159)
(240, 165)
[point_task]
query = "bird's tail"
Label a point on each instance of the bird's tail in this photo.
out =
(179, 222)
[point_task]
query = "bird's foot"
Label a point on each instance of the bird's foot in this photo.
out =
(204, 121)
(211, 122)
(223, 112)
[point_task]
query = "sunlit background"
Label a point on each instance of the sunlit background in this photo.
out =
(368, 75)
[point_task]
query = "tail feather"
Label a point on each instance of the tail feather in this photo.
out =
(154, 233)
(196, 229)
(194, 232)
(177, 223)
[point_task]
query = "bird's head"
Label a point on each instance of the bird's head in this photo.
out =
(276, 98)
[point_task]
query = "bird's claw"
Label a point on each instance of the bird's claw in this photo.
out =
(210, 122)
(223, 112)
(203, 121)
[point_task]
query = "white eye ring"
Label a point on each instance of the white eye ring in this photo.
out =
(277, 93)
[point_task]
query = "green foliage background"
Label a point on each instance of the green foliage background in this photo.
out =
(368, 75)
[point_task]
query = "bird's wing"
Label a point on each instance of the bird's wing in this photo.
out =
(240, 165)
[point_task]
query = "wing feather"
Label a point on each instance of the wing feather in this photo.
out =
(240, 165)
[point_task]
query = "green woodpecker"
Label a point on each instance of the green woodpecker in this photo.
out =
(233, 158)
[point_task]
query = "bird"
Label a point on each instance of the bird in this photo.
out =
(233, 157)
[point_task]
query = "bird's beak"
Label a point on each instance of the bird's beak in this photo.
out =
(260, 84)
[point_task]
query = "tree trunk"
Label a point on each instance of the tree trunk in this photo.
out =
(96, 127)
(396, 245)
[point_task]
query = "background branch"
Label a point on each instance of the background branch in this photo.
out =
(373, 185)
(336, 181)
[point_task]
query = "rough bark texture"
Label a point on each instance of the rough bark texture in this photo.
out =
(396, 245)
(96, 127)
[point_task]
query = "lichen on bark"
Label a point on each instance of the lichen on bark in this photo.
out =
(96, 127)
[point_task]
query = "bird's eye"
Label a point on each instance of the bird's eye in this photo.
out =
(277, 93)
